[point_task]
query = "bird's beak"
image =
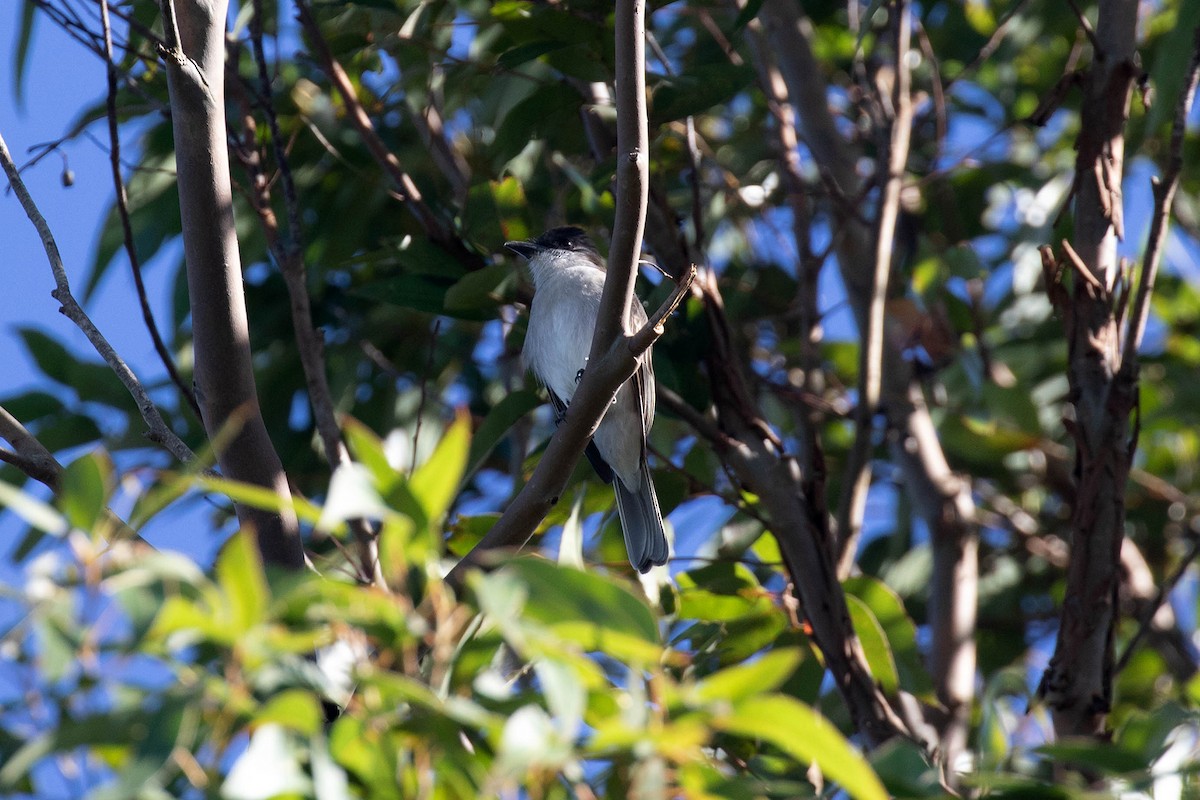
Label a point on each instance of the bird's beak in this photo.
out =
(527, 250)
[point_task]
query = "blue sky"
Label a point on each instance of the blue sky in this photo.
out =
(63, 77)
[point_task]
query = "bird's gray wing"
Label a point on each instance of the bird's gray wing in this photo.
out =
(603, 470)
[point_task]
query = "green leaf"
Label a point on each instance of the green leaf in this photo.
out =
(239, 574)
(21, 52)
(260, 497)
(86, 485)
(481, 290)
(1170, 65)
(898, 627)
(806, 736)
(435, 483)
(736, 683)
(352, 495)
(367, 449)
(1102, 757)
(698, 90)
(32, 406)
(497, 424)
(40, 515)
(875, 644)
(90, 380)
(905, 770)
(576, 606)
(295, 709)
(551, 112)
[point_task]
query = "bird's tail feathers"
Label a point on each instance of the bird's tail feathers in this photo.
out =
(642, 522)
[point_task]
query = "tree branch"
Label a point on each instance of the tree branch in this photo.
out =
(29, 455)
(870, 360)
(1164, 197)
(1077, 684)
(158, 430)
(941, 499)
(224, 372)
(289, 256)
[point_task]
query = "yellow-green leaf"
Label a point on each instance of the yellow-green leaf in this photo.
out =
(435, 483)
(239, 573)
(806, 736)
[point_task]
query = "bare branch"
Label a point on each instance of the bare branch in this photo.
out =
(633, 177)
(870, 361)
(288, 252)
(29, 455)
(158, 430)
(1151, 610)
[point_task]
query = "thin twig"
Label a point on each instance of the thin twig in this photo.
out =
(135, 264)
(1164, 196)
(870, 363)
(990, 45)
(1077, 264)
(1147, 620)
(1086, 25)
(159, 431)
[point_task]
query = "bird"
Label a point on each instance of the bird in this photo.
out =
(568, 280)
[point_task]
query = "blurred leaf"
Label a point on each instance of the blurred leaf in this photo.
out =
(481, 290)
(496, 425)
(32, 406)
(86, 484)
(736, 683)
(698, 90)
(367, 449)
(435, 483)
(576, 606)
(898, 628)
(38, 514)
(1102, 757)
(90, 380)
(239, 573)
(261, 497)
(294, 709)
(352, 495)
(21, 52)
(905, 771)
(801, 733)
(875, 645)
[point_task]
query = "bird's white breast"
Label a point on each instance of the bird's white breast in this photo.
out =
(561, 323)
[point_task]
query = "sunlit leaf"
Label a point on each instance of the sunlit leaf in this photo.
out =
(875, 644)
(239, 573)
(803, 734)
(435, 483)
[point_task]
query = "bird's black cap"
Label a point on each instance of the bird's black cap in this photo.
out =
(566, 237)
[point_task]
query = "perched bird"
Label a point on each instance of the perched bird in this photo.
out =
(568, 279)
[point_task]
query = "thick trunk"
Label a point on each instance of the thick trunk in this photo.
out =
(224, 376)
